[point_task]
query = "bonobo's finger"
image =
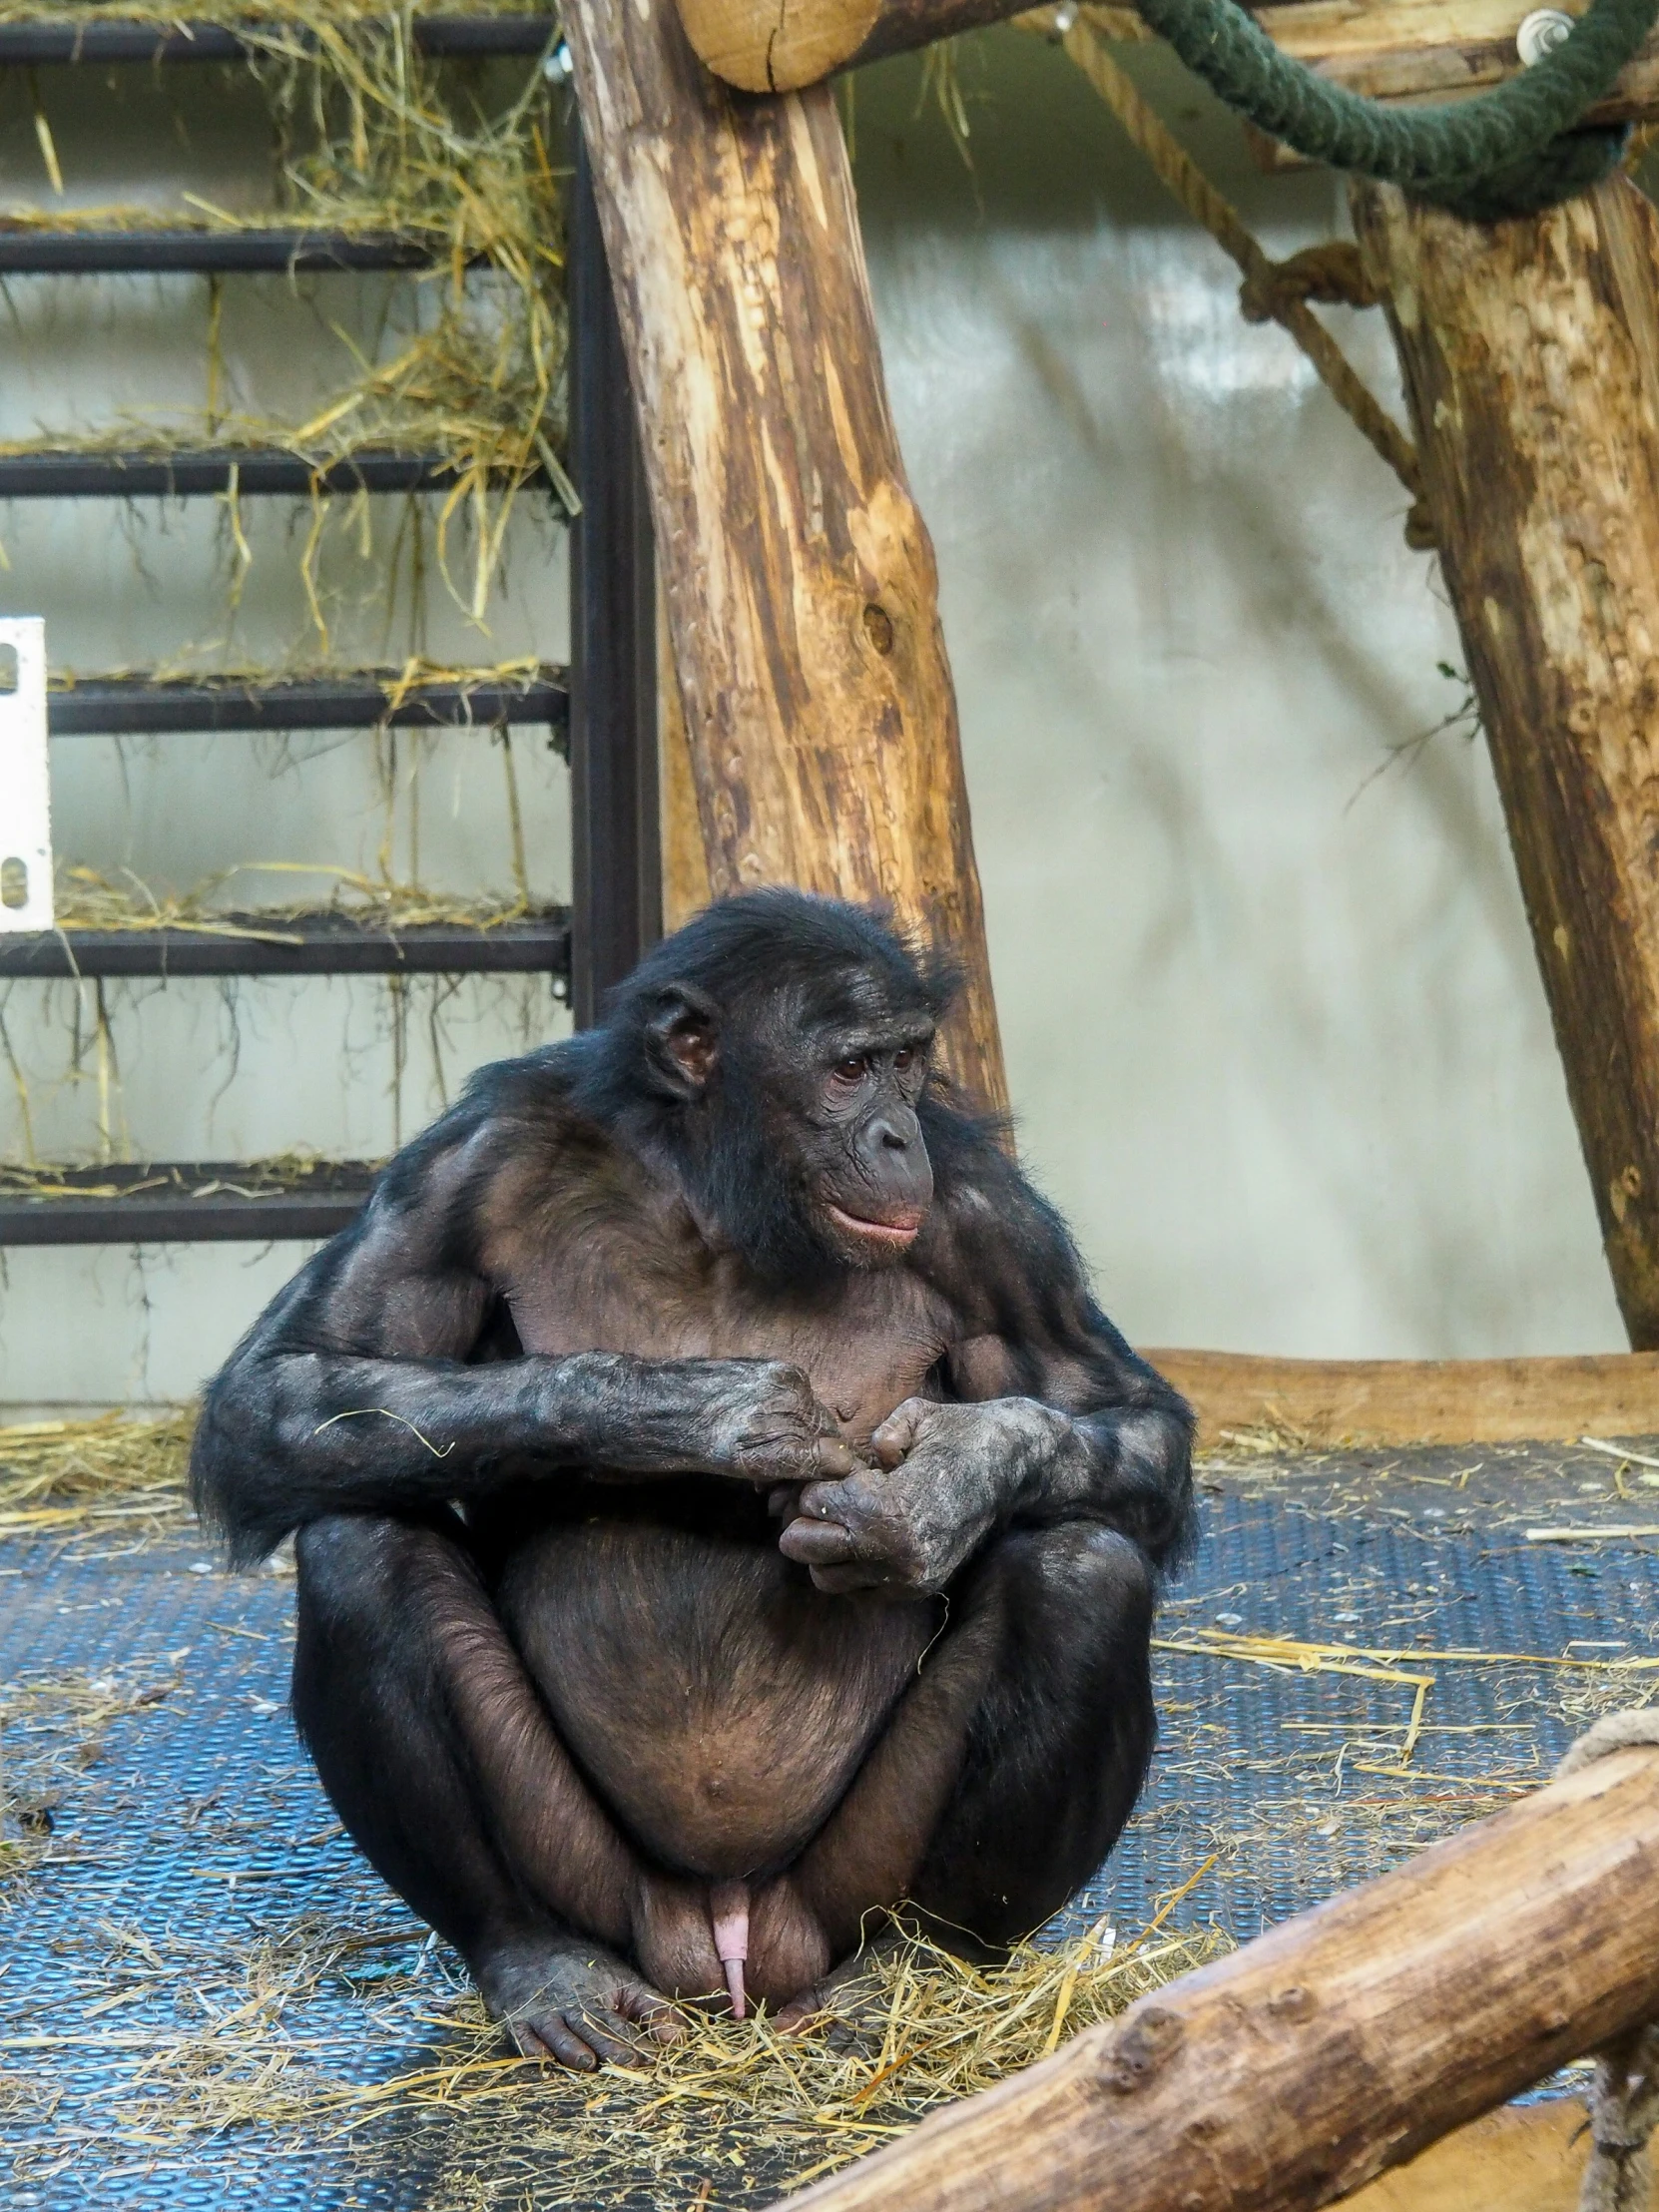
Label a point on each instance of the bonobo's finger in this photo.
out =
(834, 1456)
(841, 1581)
(816, 1544)
(607, 2031)
(647, 2008)
(897, 1433)
(549, 2037)
(810, 2007)
(820, 1542)
(851, 1502)
(784, 1500)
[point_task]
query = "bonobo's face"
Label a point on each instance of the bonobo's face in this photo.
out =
(810, 1145)
(864, 1176)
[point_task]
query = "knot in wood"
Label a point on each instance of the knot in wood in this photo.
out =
(878, 628)
(1145, 2045)
(1293, 2005)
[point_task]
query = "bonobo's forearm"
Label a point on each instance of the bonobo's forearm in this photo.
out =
(1131, 1466)
(288, 1434)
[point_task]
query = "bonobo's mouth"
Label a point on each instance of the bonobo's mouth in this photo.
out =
(893, 1234)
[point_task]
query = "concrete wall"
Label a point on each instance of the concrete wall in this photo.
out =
(1274, 1026)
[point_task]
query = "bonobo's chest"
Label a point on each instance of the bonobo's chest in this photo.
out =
(868, 1341)
(607, 1260)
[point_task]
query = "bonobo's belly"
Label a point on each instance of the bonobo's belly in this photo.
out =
(718, 1702)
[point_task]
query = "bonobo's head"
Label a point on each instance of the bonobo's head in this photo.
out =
(775, 1051)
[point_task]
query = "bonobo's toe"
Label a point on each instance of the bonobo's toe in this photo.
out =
(842, 2000)
(574, 2003)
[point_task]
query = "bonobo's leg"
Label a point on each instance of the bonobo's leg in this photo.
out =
(1008, 1771)
(444, 1767)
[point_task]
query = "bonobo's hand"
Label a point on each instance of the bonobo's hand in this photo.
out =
(948, 1474)
(761, 1422)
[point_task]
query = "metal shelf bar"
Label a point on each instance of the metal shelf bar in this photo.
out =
(64, 474)
(308, 944)
(442, 37)
(187, 1202)
(191, 251)
(137, 706)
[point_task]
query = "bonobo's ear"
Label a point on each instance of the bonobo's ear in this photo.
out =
(680, 1039)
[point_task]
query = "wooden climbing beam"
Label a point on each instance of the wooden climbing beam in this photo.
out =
(1530, 353)
(1428, 1402)
(1390, 50)
(1333, 2047)
(798, 576)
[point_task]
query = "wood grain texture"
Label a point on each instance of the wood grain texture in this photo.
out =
(1430, 1402)
(798, 575)
(1335, 2046)
(685, 864)
(1531, 353)
(1415, 50)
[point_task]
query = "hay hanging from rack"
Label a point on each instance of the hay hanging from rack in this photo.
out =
(378, 138)
(88, 899)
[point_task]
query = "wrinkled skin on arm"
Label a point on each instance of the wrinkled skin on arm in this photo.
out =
(376, 1380)
(1044, 1413)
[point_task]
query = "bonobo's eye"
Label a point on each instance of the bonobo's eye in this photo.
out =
(903, 1060)
(852, 1070)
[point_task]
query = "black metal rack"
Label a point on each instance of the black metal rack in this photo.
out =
(605, 705)
(304, 945)
(261, 472)
(185, 1202)
(440, 37)
(192, 249)
(356, 699)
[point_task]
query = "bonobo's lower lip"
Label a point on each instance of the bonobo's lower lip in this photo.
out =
(898, 1231)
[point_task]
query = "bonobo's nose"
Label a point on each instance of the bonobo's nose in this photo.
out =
(896, 1130)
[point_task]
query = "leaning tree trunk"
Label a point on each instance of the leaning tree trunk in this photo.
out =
(1532, 359)
(798, 576)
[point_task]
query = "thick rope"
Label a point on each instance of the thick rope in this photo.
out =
(1509, 151)
(1264, 292)
(1624, 2096)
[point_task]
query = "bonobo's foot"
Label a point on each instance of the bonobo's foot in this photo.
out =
(847, 1999)
(561, 1997)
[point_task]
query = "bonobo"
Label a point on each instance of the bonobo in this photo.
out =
(722, 1509)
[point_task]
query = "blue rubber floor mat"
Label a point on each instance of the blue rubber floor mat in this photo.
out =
(193, 1920)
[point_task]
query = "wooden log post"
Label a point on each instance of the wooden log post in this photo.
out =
(1388, 50)
(798, 576)
(1333, 2047)
(1532, 359)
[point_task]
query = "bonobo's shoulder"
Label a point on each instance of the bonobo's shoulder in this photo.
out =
(515, 1123)
(985, 1204)
(994, 1243)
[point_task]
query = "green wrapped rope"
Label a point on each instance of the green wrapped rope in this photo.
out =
(1506, 152)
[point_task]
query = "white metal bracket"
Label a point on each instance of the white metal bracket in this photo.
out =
(25, 786)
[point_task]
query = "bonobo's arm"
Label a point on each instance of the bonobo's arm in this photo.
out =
(1047, 1415)
(354, 1390)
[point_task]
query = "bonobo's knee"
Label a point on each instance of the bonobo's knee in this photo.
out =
(352, 1563)
(1094, 1576)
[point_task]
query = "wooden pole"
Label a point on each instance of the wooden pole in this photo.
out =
(1427, 1402)
(1385, 49)
(1336, 2046)
(798, 576)
(616, 868)
(1531, 360)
